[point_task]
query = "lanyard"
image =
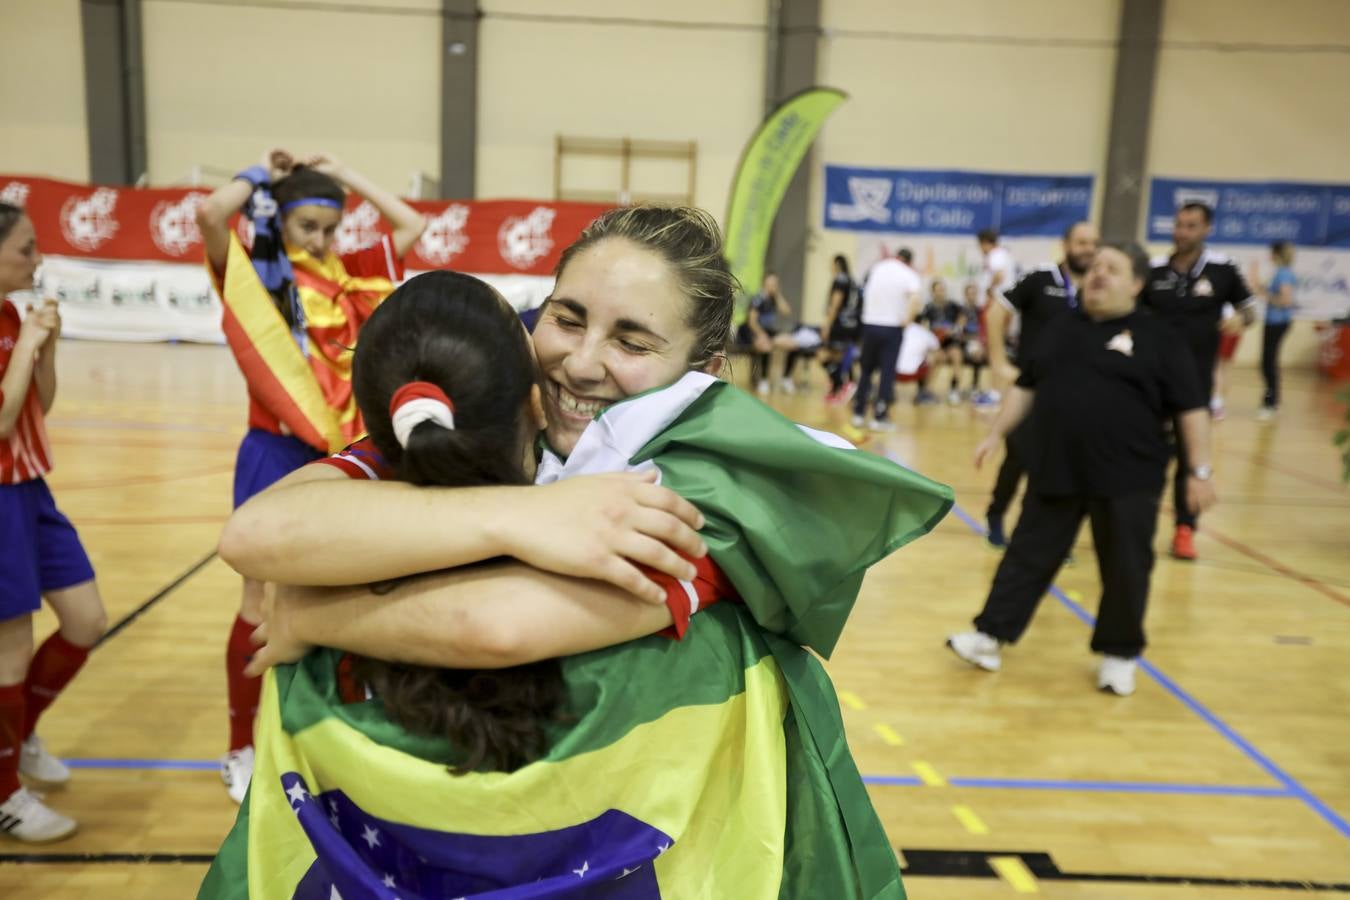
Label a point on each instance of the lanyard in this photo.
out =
(1070, 292)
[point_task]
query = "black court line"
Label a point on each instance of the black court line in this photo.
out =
(159, 595)
(919, 864)
(66, 859)
(975, 864)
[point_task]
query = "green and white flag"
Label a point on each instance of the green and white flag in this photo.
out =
(795, 516)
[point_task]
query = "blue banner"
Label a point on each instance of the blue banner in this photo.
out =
(923, 201)
(1256, 212)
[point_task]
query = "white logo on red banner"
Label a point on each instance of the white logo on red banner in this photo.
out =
(87, 221)
(445, 237)
(173, 226)
(15, 193)
(360, 229)
(523, 241)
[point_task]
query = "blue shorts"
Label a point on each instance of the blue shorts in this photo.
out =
(39, 549)
(266, 458)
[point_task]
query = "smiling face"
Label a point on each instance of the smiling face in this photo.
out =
(19, 257)
(617, 324)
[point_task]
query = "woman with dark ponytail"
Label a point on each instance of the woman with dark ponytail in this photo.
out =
(446, 383)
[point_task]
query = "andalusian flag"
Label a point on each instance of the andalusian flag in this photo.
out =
(307, 384)
(712, 767)
(795, 516)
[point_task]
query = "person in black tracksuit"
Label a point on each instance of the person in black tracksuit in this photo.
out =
(1098, 391)
(1038, 298)
(1189, 291)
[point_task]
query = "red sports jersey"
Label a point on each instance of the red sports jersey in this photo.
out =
(25, 454)
(683, 598)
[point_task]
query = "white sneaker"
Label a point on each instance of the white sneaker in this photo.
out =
(978, 649)
(1116, 675)
(763, 387)
(954, 397)
(24, 816)
(857, 421)
(36, 763)
(236, 770)
(1266, 414)
(787, 386)
(881, 425)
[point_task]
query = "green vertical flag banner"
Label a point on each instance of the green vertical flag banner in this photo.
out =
(767, 165)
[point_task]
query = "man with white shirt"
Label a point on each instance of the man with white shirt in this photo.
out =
(1000, 272)
(890, 300)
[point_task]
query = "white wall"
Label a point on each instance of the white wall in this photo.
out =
(222, 85)
(643, 81)
(42, 90)
(957, 94)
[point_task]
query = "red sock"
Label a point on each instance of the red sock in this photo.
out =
(55, 663)
(11, 738)
(243, 691)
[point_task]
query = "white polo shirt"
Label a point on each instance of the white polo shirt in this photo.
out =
(997, 260)
(890, 293)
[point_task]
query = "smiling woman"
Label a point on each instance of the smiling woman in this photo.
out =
(619, 324)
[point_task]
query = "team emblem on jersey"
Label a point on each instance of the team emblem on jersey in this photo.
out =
(359, 230)
(7, 343)
(524, 240)
(1202, 288)
(87, 222)
(869, 197)
(1122, 343)
(445, 237)
(15, 193)
(173, 226)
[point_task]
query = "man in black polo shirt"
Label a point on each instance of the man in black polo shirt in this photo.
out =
(1042, 295)
(1189, 291)
(1103, 380)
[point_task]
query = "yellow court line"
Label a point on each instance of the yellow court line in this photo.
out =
(888, 734)
(852, 700)
(973, 823)
(927, 774)
(1015, 872)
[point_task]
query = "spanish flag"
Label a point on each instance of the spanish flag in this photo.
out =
(306, 382)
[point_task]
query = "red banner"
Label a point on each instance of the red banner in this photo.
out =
(500, 237)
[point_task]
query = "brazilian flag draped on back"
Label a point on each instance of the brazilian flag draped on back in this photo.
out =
(713, 767)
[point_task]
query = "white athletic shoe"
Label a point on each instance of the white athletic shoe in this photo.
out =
(954, 397)
(977, 648)
(763, 387)
(857, 421)
(1266, 414)
(881, 425)
(787, 386)
(25, 817)
(1116, 675)
(236, 770)
(36, 763)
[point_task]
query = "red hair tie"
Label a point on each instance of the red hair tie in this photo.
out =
(417, 402)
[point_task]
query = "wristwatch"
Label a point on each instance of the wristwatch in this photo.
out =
(1202, 472)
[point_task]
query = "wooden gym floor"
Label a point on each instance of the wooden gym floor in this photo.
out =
(1227, 774)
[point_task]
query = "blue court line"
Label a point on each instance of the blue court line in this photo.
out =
(1291, 785)
(191, 765)
(1023, 784)
(1109, 787)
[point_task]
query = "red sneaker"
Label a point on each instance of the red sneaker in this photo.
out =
(1183, 543)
